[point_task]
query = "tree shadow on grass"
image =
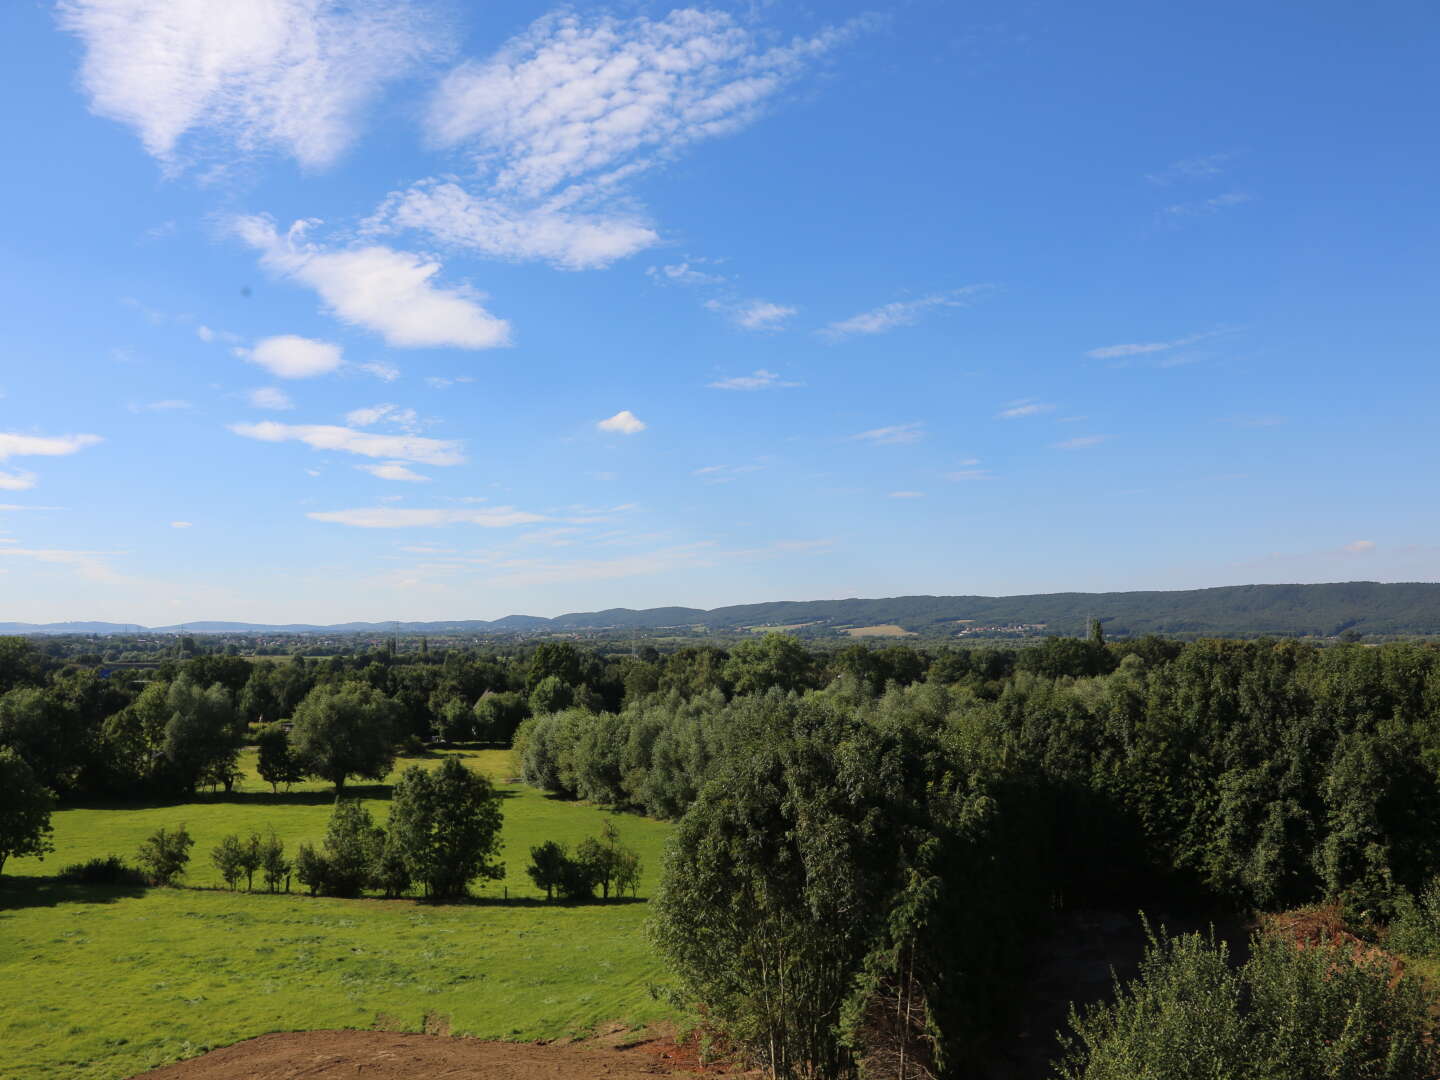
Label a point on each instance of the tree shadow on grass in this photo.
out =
(325, 797)
(21, 891)
(531, 902)
(367, 792)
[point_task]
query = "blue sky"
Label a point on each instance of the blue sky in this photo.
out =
(321, 312)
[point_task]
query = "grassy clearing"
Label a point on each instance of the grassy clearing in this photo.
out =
(101, 982)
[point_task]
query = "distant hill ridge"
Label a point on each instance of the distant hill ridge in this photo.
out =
(1313, 610)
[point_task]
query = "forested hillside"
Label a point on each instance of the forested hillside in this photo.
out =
(1365, 607)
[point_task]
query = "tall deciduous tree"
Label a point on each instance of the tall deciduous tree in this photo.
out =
(25, 806)
(344, 731)
(276, 764)
(201, 740)
(447, 823)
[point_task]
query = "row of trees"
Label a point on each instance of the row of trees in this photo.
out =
(175, 728)
(443, 833)
(597, 863)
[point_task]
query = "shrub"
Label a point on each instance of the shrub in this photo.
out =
(547, 866)
(312, 869)
(109, 870)
(391, 872)
(164, 855)
(352, 843)
(1318, 1012)
(1416, 927)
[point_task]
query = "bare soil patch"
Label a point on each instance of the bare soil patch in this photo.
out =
(880, 630)
(387, 1055)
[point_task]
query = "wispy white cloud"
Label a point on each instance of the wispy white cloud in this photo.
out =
(407, 420)
(13, 444)
(18, 480)
(1024, 407)
(395, 470)
(382, 371)
(897, 433)
(410, 448)
(394, 517)
(900, 313)
(289, 356)
(1192, 168)
(1359, 546)
(1080, 442)
(181, 524)
(270, 397)
(684, 273)
(1111, 352)
(753, 314)
(442, 382)
(390, 292)
(906, 495)
(958, 475)
(206, 334)
(564, 114)
(294, 75)
(760, 379)
(576, 97)
(552, 232)
(623, 422)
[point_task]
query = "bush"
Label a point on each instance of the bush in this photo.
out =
(164, 855)
(1416, 927)
(352, 843)
(228, 857)
(547, 866)
(109, 870)
(312, 869)
(1317, 1012)
(274, 863)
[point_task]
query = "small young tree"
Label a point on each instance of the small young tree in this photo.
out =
(391, 872)
(164, 854)
(274, 863)
(25, 806)
(593, 866)
(627, 872)
(252, 857)
(577, 875)
(352, 843)
(228, 857)
(277, 765)
(312, 869)
(547, 866)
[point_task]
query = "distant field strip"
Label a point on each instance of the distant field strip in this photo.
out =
(102, 983)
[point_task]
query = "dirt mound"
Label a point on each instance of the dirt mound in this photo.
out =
(386, 1055)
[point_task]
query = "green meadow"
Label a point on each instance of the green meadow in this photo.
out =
(100, 982)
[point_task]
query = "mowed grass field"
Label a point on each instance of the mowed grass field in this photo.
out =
(105, 982)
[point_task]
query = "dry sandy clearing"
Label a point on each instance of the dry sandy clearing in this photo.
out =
(386, 1055)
